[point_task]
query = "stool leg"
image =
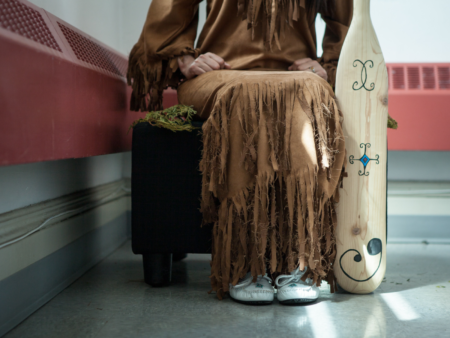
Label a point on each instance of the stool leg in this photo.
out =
(157, 269)
(176, 257)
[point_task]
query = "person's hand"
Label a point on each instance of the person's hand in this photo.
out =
(309, 65)
(208, 62)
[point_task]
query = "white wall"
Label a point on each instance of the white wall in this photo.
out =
(409, 30)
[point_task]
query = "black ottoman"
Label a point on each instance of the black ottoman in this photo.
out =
(166, 189)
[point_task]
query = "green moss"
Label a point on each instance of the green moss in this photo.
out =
(175, 118)
(179, 118)
(392, 123)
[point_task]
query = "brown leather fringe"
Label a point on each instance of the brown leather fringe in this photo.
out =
(330, 68)
(283, 220)
(150, 76)
(276, 13)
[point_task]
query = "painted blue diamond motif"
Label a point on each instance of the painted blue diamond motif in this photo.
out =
(365, 160)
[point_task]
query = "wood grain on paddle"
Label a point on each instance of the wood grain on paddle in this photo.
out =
(362, 94)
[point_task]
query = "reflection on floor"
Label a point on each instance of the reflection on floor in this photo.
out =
(112, 300)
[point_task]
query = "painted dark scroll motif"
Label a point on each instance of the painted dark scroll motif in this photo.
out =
(374, 247)
(364, 159)
(363, 75)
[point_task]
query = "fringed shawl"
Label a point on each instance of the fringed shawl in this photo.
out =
(275, 13)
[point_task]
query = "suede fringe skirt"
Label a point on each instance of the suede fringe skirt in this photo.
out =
(272, 163)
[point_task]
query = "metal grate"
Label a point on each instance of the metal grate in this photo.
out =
(444, 77)
(429, 78)
(27, 22)
(398, 76)
(418, 77)
(93, 53)
(413, 78)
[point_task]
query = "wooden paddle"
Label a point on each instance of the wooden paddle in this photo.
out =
(362, 94)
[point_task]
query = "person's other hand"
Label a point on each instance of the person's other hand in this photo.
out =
(207, 62)
(308, 65)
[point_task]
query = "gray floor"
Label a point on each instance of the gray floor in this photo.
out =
(111, 300)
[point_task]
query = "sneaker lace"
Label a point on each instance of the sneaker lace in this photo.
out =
(249, 278)
(294, 277)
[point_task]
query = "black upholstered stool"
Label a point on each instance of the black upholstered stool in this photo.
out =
(166, 189)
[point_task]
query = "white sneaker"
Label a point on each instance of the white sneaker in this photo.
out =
(258, 293)
(292, 290)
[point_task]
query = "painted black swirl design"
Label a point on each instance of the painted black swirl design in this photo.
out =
(351, 158)
(374, 247)
(363, 75)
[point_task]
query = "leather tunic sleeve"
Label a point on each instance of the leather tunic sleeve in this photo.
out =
(337, 24)
(169, 32)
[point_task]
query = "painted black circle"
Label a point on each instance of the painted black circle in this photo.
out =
(374, 246)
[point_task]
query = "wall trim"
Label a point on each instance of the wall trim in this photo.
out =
(59, 232)
(15, 223)
(418, 198)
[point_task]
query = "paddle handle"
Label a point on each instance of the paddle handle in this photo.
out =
(361, 9)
